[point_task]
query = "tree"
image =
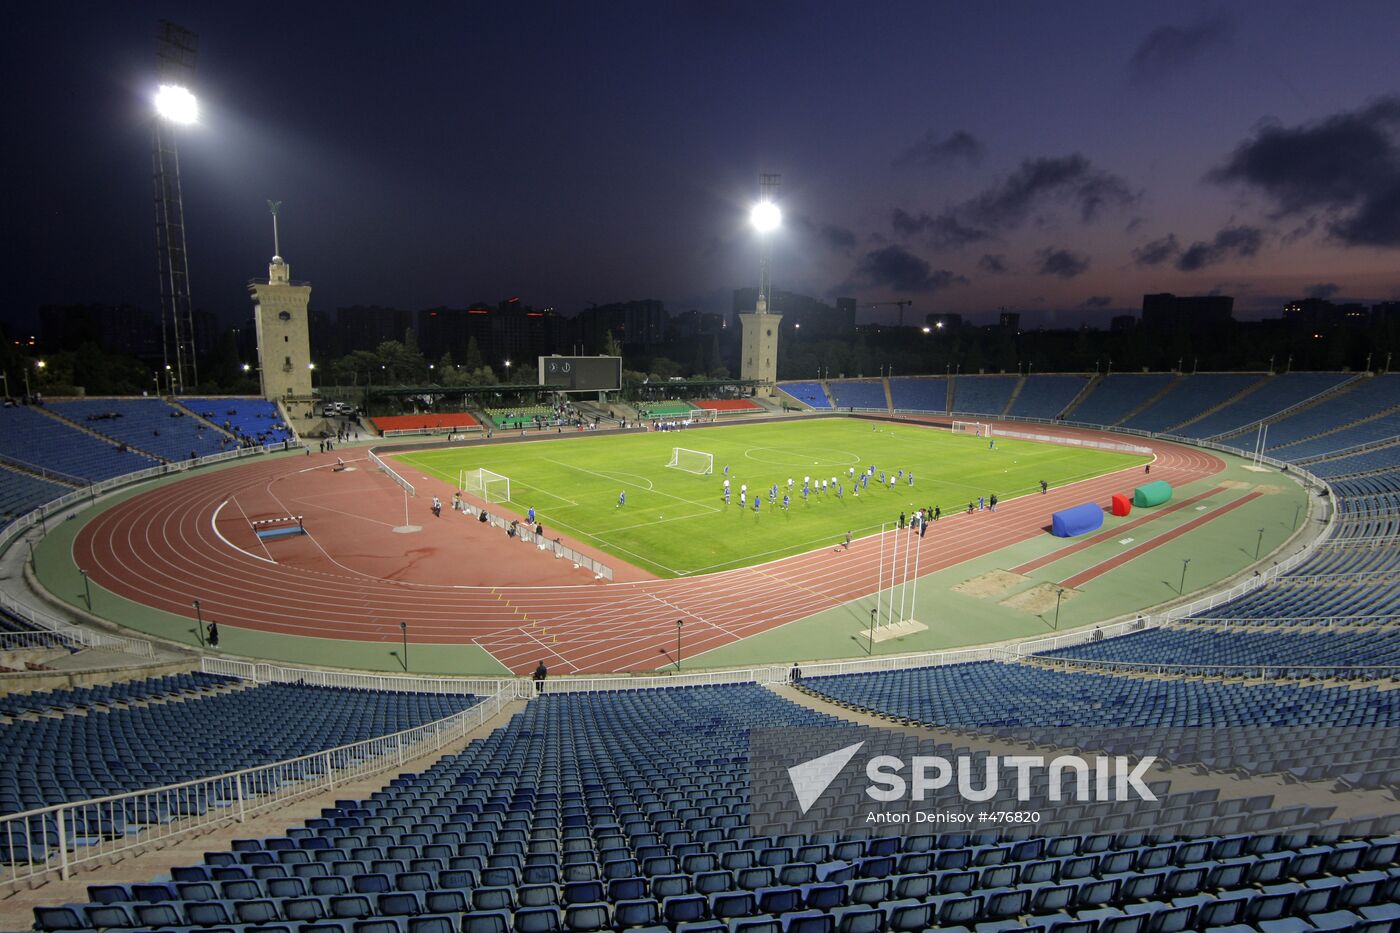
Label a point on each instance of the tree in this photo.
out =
(610, 347)
(474, 360)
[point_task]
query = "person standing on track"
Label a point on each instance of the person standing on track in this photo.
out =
(1043, 486)
(993, 502)
(211, 633)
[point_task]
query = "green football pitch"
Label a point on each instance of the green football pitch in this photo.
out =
(675, 523)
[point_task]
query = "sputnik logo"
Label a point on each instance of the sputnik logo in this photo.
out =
(811, 778)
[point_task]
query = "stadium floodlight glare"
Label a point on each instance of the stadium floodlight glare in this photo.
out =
(765, 217)
(176, 104)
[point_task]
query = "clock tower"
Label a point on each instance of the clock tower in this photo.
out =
(280, 312)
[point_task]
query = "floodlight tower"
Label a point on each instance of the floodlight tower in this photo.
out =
(758, 356)
(175, 106)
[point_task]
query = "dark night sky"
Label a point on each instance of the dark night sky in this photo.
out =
(1050, 157)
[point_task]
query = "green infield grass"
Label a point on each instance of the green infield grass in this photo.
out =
(675, 523)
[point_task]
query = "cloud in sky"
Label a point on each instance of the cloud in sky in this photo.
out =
(992, 264)
(1158, 251)
(1323, 290)
(1062, 262)
(935, 150)
(1229, 243)
(1070, 181)
(1345, 167)
(897, 269)
(1168, 49)
(1096, 301)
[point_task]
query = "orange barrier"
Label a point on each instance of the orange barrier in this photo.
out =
(458, 419)
(1122, 505)
(727, 404)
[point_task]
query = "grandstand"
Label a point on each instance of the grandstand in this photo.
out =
(28, 435)
(809, 393)
(256, 419)
(728, 406)
(983, 395)
(1117, 395)
(1044, 395)
(1188, 398)
(147, 424)
(627, 806)
(426, 423)
(22, 492)
(923, 394)
(859, 395)
(90, 743)
(671, 409)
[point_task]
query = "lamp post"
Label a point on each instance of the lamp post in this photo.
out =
(870, 639)
(199, 623)
(403, 629)
(680, 624)
(1258, 544)
(1059, 595)
(6, 378)
(1297, 510)
(1181, 589)
(87, 589)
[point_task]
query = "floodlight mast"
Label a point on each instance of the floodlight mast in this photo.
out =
(175, 105)
(765, 217)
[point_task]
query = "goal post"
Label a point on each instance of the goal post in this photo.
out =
(692, 461)
(972, 427)
(485, 485)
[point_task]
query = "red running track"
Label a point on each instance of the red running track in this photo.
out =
(158, 548)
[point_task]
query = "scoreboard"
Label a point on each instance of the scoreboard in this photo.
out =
(582, 373)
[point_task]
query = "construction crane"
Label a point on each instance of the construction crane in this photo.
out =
(900, 304)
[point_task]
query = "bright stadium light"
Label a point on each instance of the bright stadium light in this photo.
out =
(765, 217)
(176, 104)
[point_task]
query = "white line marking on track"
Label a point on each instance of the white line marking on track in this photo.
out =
(263, 544)
(214, 524)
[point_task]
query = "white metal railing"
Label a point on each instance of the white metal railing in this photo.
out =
(44, 472)
(1360, 578)
(66, 632)
(1287, 412)
(1272, 670)
(51, 631)
(1264, 622)
(39, 844)
(408, 432)
(265, 673)
(1361, 448)
(896, 662)
(612, 683)
(391, 473)
(1072, 441)
(554, 546)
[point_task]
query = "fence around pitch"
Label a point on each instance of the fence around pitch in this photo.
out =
(54, 841)
(264, 673)
(65, 634)
(558, 548)
(391, 473)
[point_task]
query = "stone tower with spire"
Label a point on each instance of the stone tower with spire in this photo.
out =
(280, 312)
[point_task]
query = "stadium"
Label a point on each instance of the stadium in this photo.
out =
(409, 637)
(497, 617)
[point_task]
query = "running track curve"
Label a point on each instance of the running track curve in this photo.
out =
(157, 548)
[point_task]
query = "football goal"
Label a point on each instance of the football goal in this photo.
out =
(692, 461)
(492, 487)
(972, 427)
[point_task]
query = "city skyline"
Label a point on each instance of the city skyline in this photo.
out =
(1062, 161)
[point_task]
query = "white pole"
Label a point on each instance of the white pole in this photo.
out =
(918, 551)
(880, 576)
(405, 506)
(894, 568)
(904, 581)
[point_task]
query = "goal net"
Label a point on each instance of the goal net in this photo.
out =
(492, 487)
(692, 461)
(972, 427)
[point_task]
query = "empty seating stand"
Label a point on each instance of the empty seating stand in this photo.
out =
(982, 395)
(32, 437)
(254, 419)
(810, 393)
(1188, 398)
(1046, 395)
(21, 493)
(594, 812)
(146, 423)
(1118, 394)
(927, 394)
(859, 395)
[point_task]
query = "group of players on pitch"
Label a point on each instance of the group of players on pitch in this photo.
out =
(819, 487)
